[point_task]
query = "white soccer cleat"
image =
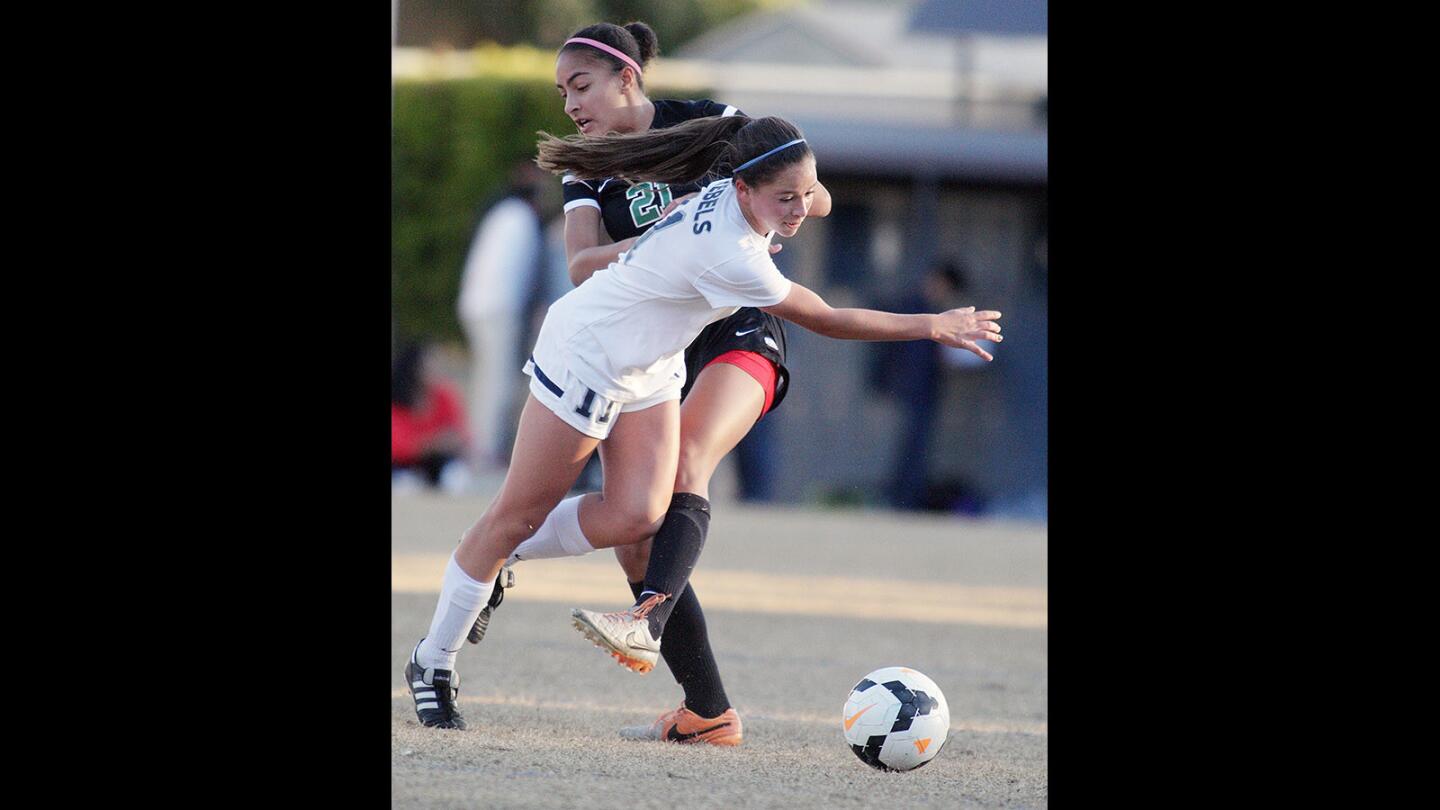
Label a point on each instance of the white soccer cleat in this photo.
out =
(624, 634)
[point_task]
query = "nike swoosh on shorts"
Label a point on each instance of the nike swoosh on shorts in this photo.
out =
(747, 331)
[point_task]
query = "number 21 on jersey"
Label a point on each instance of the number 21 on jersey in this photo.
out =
(647, 200)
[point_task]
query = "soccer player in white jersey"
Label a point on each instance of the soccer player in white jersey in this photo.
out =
(608, 366)
(736, 373)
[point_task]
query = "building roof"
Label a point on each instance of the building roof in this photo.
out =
(944, 153)
(951, 90)
(992, 17)
(836, 32)
(919, 37)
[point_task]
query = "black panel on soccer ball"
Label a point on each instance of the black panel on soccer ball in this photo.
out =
(912, 704)
(902, 720)
(870, 752)
(924, 703)
(901, 693)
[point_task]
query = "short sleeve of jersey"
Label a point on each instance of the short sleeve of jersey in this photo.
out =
(669, 112)
(746, 281)
(580, 193)
(716, 108)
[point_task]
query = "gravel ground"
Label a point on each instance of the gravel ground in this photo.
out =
(801, 605)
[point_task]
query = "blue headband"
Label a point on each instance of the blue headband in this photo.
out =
(755, 160)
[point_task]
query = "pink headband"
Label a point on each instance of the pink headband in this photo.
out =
(606, 48)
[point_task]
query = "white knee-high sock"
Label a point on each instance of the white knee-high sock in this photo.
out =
(558, 536)
(461, 598)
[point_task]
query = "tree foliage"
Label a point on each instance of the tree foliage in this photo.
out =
(453, 145)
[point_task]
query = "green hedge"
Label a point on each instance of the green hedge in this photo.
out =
(453, 144)
(452, 148)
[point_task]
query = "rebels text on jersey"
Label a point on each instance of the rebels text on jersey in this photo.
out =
(624, 331)
(628, 210)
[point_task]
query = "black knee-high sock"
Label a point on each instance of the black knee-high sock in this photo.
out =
(674, 552)
(687, 652)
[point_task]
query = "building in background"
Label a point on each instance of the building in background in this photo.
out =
(929, 123)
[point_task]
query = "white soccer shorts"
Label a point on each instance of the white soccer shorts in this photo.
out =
(580, 407)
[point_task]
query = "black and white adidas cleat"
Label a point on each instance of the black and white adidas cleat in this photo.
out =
(482, 622)
(434, 692)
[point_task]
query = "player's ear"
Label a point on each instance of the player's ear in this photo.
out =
(627, 79)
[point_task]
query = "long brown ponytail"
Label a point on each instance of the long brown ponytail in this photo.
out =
(676, 154)
(679, 154)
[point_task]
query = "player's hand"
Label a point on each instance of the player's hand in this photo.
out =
(962, 327)
(775, 247)
(675, 203)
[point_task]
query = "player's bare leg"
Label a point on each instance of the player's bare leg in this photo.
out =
(640, 459)
(548, 457)
(720, 411)
(723, 405)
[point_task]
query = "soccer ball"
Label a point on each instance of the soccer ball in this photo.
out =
(896, 719)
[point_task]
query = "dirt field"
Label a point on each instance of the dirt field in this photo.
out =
(801, 605)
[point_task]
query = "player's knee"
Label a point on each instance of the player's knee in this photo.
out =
(655, 513)
(644, 525)
(642, 519)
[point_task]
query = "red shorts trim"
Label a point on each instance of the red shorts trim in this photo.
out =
(757, 366)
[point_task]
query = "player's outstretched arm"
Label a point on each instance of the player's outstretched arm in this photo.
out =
(957, 327)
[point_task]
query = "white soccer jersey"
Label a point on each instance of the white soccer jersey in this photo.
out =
(624, 331)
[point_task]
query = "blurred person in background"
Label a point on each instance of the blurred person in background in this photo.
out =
(914, 373)
(427, 426)
(1025, 372)
(501, 277)
(735, 368)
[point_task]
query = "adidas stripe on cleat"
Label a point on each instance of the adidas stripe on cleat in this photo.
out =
(688, 728)
(624, 634)
(482, 622)
(434, 692)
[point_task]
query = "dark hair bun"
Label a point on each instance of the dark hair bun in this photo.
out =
(646, 39)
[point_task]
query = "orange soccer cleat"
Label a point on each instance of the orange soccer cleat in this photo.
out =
(686, 727)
